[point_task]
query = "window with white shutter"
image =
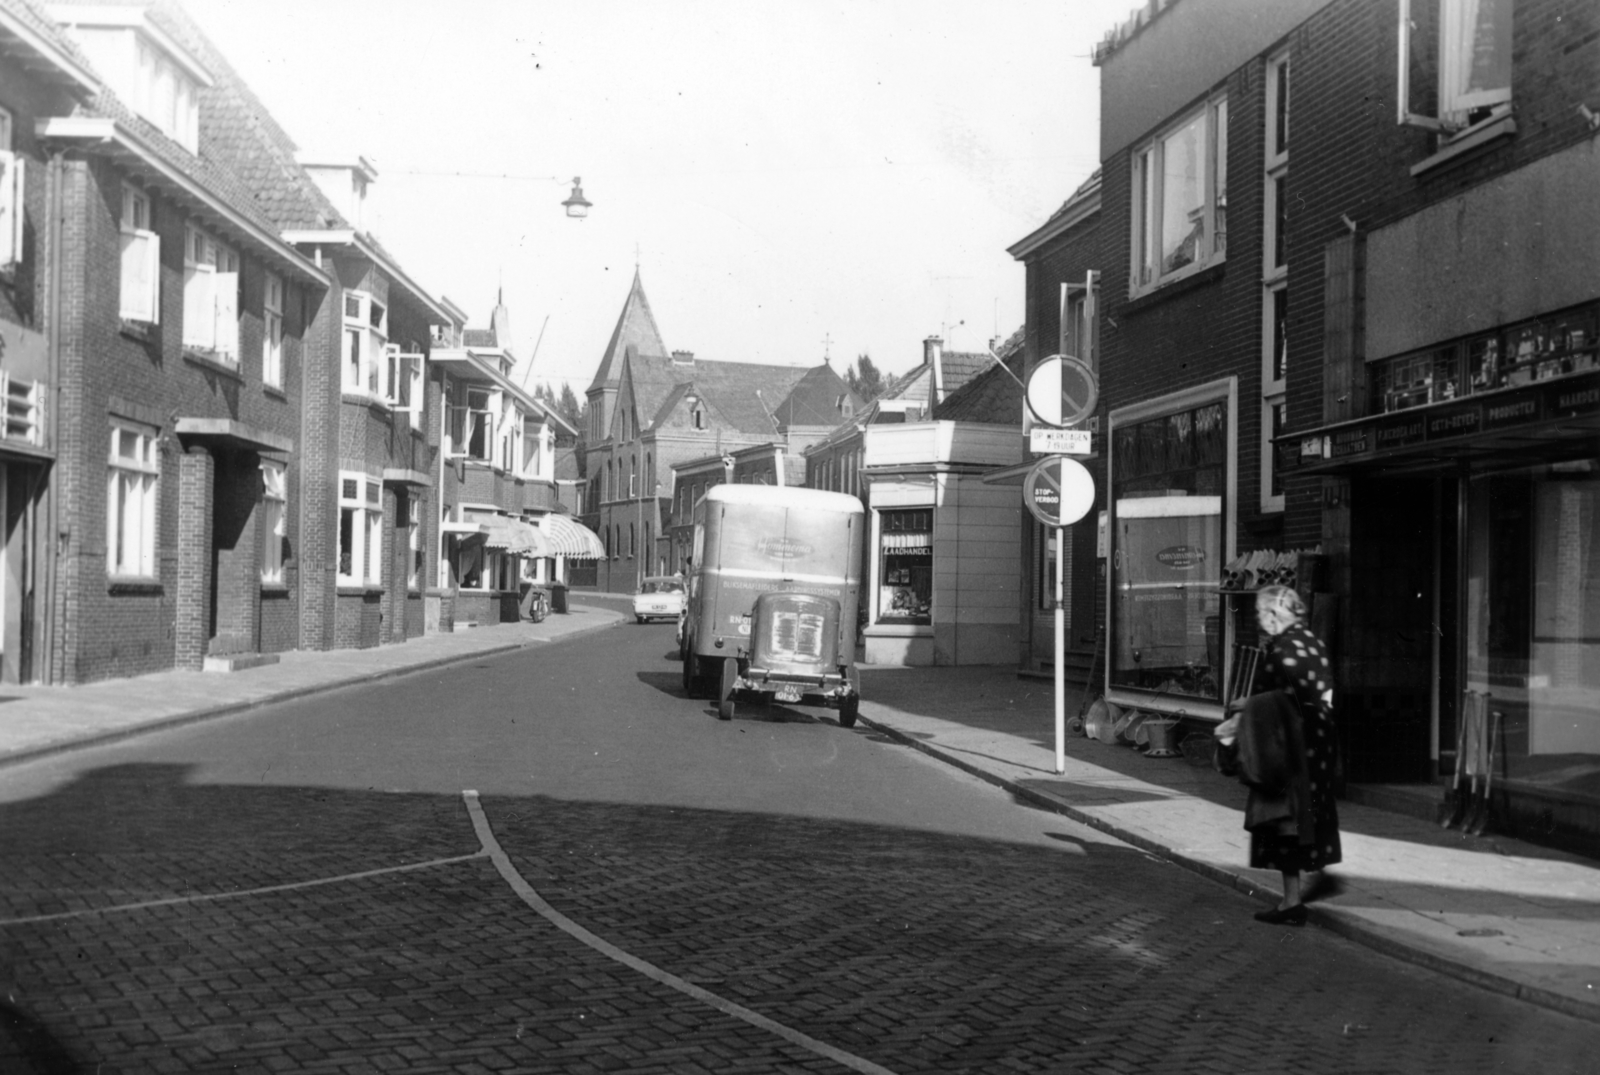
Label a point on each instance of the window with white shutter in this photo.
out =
(210, 296)
(141, 259)
(12, 172)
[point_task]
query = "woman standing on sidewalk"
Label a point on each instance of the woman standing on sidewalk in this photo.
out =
(1296, 662)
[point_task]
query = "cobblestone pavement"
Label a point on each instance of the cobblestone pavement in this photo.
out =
(340, 930)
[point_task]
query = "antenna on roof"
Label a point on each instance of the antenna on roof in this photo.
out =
(535, 354)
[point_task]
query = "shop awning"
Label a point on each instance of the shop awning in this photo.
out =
(570, 538)
(513, 535)
(901, 541)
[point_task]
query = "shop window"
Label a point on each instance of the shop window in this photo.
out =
(1557, 345)
(1180, 197)
(360, 530)
(141, 259)
(274, 520)
(1470, 47)
(1532, 619)
(905, 566)
(210, 296)
(1170, 475)
(133, 479)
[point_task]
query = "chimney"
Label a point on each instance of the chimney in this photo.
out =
(683, 358)
(932, 353)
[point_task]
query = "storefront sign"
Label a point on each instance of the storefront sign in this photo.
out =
(1182, 557)
(1495, 412)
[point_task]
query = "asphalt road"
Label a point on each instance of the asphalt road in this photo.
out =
(552, 861)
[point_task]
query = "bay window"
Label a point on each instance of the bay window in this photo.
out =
(1180, 197)
(363, 355)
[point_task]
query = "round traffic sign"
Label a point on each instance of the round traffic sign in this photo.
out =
(1062, 390)
(1058, 490)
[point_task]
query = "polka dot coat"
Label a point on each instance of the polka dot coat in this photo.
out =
(1297, 662)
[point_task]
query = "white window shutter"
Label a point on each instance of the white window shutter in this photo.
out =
(391, 372)
(225, 336)
(1064, 322)
(11, 187)
(199, 307)
(141, 262)
(1091, 320)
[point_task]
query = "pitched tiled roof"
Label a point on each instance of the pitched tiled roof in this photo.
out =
(29, 34)
(636, 328)
(959, 367)
(214, 170)
(814, 401)
(993, 394)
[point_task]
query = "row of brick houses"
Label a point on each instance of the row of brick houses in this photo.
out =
(233, 420)
(1339, 272)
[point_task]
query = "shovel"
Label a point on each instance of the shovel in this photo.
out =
(1457, 806)
(1480, 812)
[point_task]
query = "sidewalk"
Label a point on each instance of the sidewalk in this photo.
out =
(35, 721)
(1510, 916)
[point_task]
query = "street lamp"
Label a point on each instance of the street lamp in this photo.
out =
(577, 205)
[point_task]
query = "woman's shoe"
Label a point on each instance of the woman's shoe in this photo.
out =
(1284, 916)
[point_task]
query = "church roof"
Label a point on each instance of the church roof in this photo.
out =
(636, 328)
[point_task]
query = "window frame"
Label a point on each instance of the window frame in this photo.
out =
(136, 527)
(366, 373)
(1277, 125)
(274, 520)
(272, 295)
(1147, 208)
(139, 297)
(211, 279)
(366, 530)
(1454, 111)
(910, 514)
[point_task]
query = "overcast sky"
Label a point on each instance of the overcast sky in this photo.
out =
(789, 176)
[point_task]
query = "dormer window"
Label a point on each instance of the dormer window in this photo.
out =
(149, 70)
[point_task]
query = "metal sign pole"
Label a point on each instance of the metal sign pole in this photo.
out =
(1061, 650)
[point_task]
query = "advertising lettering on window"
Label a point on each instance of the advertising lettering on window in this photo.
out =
(905, 566)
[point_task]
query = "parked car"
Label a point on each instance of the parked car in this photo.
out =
(659, 598)
(774, 584)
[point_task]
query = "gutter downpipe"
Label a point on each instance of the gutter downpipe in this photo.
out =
(44, 657)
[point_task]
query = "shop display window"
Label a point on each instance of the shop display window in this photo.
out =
(1538, 350)
(905, 566)
(1169, 477)
(1533, 619)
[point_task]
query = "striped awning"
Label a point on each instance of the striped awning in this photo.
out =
(513, 535)
(568, 537)
(901, 541)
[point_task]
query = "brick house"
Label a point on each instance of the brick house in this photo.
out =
(180, 336)
(1348, 302)
(650, 411)
(497, 479)
(42, 74)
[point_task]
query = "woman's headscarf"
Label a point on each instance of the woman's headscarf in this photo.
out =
(1280, 608)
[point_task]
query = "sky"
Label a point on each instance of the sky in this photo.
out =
(793, 179)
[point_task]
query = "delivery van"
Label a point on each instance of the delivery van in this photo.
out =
(774, 584)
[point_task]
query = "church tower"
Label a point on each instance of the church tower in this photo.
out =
(636, 328)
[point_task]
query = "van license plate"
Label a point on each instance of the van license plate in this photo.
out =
(789, 693)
